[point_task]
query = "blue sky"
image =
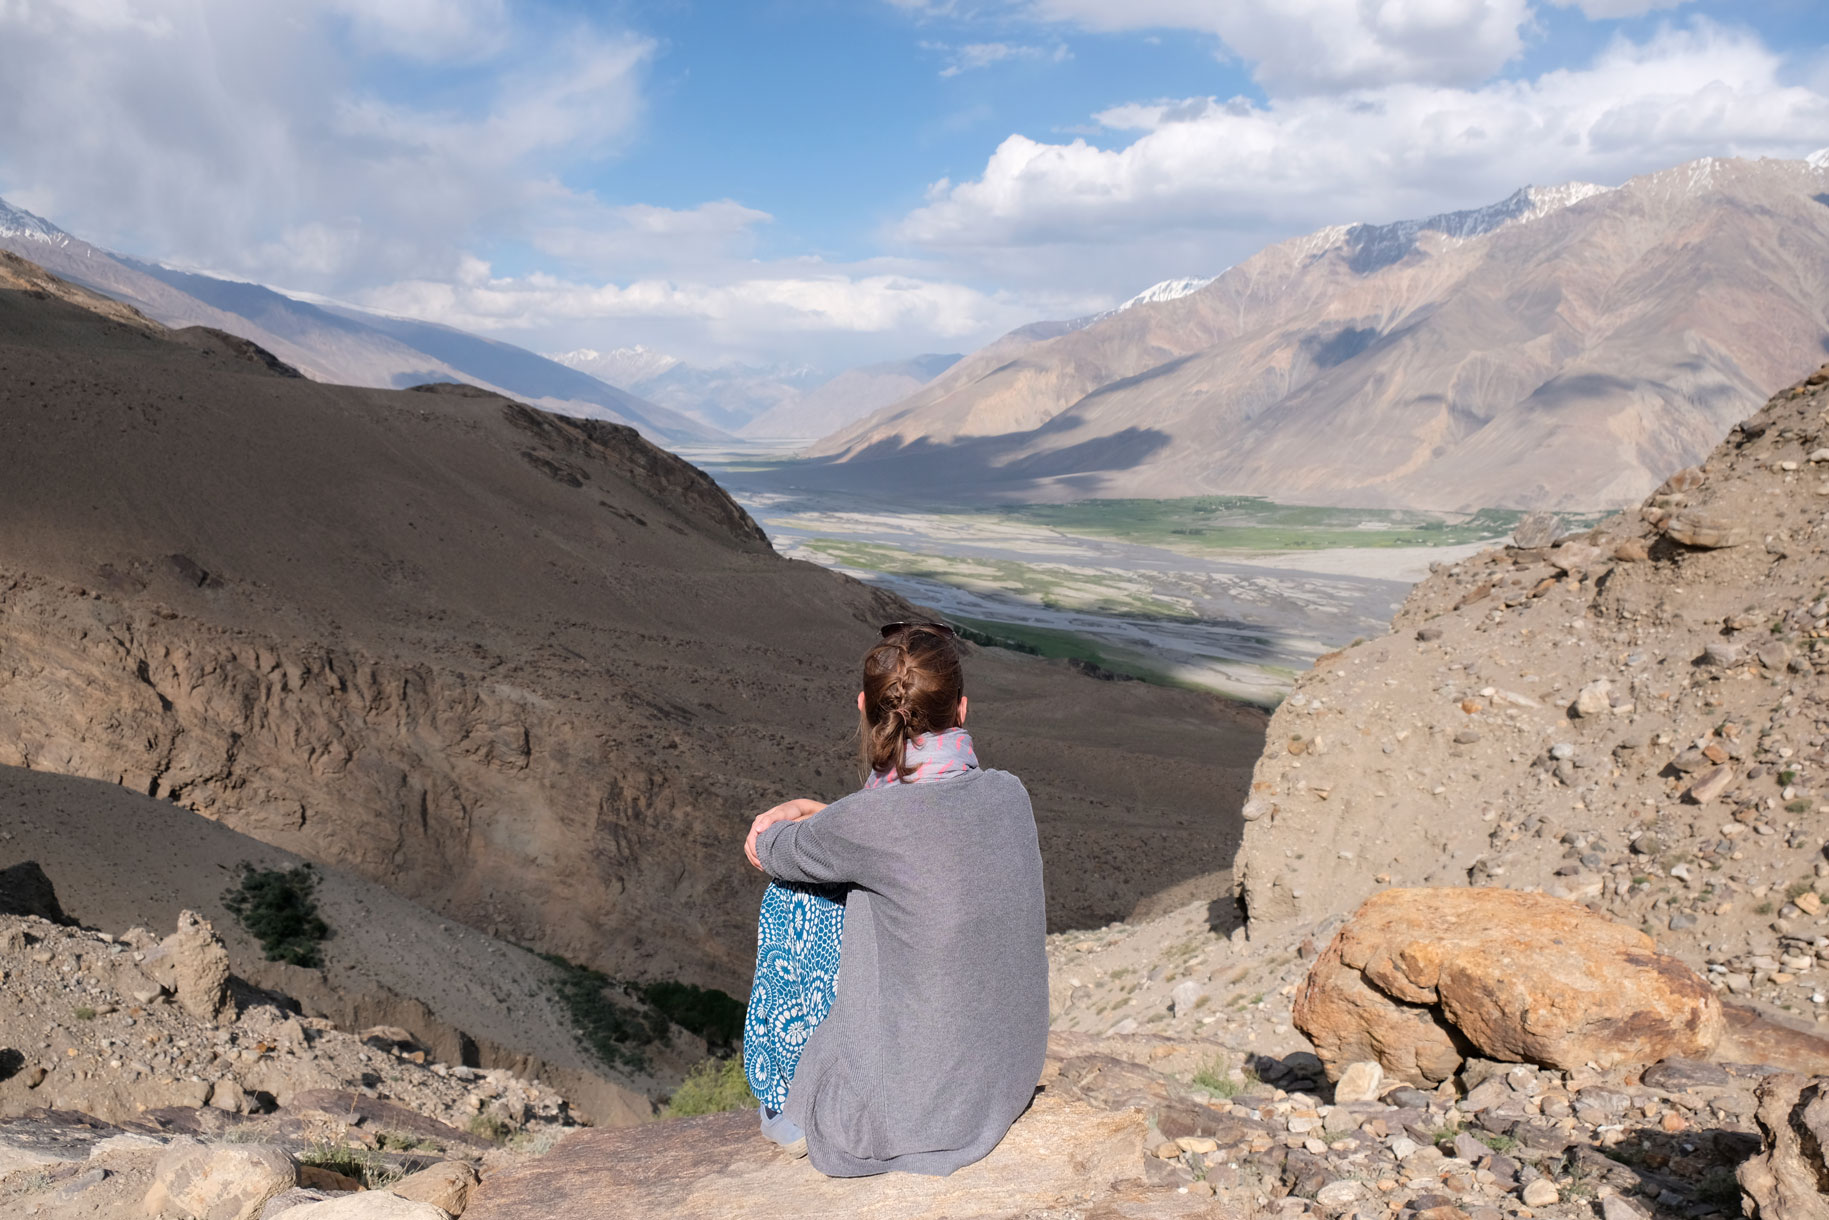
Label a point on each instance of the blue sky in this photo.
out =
(837, 181)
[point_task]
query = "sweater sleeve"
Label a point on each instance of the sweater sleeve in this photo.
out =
(835, 845)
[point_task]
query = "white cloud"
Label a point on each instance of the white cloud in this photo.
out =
(754, 314)
(1607, 10)
(974, 55)
(256, 139)
(586, 233)
(1300, 46)
(426, 29)
(1224, 176)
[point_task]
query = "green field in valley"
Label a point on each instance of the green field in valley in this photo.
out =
(1253, 523)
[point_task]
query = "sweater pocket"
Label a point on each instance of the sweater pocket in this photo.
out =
(845, 1115)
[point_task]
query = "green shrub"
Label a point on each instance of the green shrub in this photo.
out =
(365, 1165)
(713, 1015)
(278, 909)
(84, 1013)
(612, 1031)
(713, 1086)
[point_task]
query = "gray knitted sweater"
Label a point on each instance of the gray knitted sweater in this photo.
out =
(936, 1040)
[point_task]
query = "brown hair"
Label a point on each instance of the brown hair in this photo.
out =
(912, 685)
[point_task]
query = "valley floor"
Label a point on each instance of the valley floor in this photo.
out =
(1232, 595)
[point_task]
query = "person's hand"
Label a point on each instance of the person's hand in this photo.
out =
(787, 811)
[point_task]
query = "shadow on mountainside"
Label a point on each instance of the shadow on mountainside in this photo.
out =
(979, 468)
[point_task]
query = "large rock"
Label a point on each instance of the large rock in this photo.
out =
(221, 1182)
(369, 1205)
(1789, 1179)
(1418, 973)
(1750, 1036)
(447, 1184)
(1060, 1155)
(194, 963)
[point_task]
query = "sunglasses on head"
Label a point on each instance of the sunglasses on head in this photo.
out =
(893, 629)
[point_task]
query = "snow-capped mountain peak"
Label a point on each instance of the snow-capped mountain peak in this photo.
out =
(1376, 246)
(624, 366)
(1167, 290)
(1819, 159)
(17, 222)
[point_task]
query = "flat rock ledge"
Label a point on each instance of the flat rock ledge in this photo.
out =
(1062, 1154)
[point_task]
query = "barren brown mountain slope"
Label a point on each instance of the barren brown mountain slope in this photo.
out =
(529, 671)
(1637, 717)
(1565, 348)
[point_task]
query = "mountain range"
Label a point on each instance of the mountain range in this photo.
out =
(765, 402)
(336, 343)
(1566, 347)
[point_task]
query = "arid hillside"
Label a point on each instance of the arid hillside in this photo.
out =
(529, 671)
(1567, 347)
(1636, 717)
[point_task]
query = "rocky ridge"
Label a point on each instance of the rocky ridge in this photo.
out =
(1566, 348)
(1633, 717)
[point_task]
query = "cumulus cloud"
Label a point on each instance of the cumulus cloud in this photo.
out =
(259, 139)
(1238, 171)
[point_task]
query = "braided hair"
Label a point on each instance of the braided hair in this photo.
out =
(912, 685)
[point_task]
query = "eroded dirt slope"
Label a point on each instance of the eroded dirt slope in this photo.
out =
(531, 672)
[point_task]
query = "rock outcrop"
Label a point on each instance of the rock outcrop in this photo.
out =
(1417, 979)
(1062, 1154)
(1621, 718)
(193, 964)
(224, 1182)
(1789, 1179)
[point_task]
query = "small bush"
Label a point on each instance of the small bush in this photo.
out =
(365, 1165)
(488, 1126)
(1445, 1133)
(713, 1015)
(84, 1013)
(713, 1086)
(1216, 1080)
(535, 1143)
(1797, 806)
(278, 909)
(613, 1032)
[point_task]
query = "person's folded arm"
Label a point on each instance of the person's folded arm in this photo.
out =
(839, 844)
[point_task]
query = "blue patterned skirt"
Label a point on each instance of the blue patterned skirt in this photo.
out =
(798, 938)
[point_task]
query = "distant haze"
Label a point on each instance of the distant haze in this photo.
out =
(768, 403)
